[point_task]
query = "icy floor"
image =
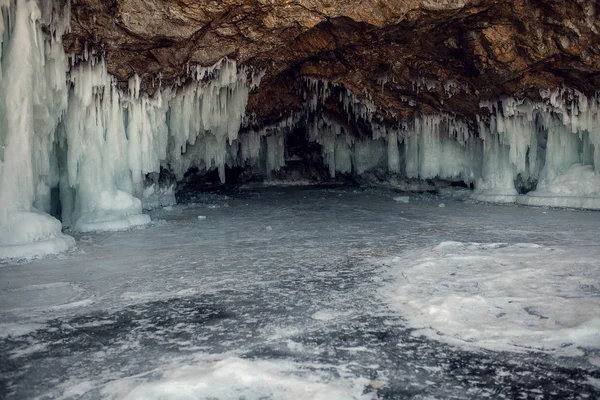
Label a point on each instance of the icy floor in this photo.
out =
(299, 293)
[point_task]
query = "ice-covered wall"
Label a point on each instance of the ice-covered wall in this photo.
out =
(538, 141)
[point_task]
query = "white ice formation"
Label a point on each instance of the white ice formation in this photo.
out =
(73, 145)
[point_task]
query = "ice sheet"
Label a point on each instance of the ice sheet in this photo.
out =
(300, 301)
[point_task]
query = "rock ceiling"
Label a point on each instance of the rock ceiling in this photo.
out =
(408, 55)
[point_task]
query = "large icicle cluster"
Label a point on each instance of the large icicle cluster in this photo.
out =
(205, 120)
(112, 140)
(430, 146)
(74, 145)
(553, 145)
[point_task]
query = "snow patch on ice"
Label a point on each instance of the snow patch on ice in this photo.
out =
(402, 199)
(498, 296)
(14, 329)
(233, 378)
(323, 315)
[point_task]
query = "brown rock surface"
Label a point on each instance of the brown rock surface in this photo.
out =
(484, 48)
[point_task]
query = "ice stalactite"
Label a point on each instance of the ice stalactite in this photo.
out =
(335, 145)
(439, 146)
(430, 146)
(263, 149)
(519, 146)
(113, 140)
(33, 97)
(206, 116)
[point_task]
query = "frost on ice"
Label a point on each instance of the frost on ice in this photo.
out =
(519, 297)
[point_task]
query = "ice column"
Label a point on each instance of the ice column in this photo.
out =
(32, 99)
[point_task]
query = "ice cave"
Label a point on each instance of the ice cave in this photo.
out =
(303, 199)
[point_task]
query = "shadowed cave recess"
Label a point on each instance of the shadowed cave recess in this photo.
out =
(113, 107)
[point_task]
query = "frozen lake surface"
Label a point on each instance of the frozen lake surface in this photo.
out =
(327, 293)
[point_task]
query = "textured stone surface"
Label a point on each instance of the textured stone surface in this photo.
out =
(485, 47)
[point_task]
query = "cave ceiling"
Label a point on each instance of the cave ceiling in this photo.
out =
(408, 56)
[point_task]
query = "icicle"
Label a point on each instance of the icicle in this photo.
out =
(393, 153)
(206, 116)
(275, 152)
